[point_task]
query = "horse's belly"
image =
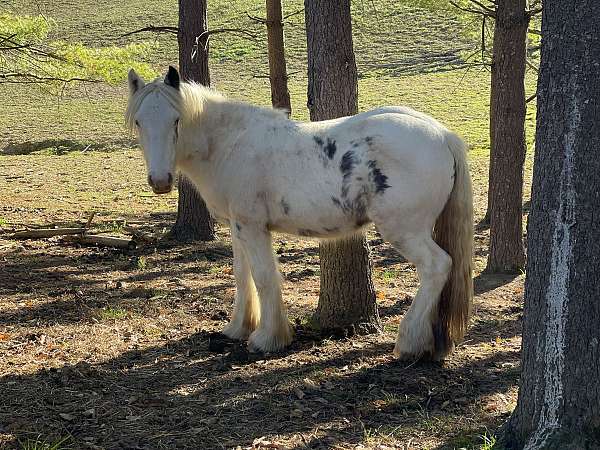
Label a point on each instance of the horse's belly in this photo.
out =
(316, 222)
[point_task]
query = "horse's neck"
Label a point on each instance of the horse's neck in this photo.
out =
(210, 135)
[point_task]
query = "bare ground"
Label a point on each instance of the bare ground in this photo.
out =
(119, 349)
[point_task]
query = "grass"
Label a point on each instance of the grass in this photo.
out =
(112, 313)
(396, 45)
(142, 263)
(77, 145)
(44, 444)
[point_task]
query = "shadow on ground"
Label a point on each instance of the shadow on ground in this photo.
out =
(180, 395)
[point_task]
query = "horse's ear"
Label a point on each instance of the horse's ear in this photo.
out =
(172, 78)
(135, 82)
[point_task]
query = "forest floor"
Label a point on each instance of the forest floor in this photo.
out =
(116, 349)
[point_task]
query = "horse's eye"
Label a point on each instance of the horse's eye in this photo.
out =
(137, 124)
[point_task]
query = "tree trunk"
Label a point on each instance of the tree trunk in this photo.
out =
(347, 296)
(280, 96)
(507, 138)
(193, 219)
(559, 395)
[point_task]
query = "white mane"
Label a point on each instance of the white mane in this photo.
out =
(191, 100)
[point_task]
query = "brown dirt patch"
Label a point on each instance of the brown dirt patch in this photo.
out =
(116, 349)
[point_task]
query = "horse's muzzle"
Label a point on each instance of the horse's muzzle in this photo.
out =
(161, 185)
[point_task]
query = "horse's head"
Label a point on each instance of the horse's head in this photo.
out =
(152, 113)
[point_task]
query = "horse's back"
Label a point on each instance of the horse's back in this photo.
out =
(407, 160)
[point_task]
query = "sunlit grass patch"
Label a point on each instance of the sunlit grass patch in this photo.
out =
(112, 313)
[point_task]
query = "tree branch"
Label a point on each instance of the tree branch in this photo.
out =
(256, 19)
(30, 78)
(489, 10)
(208, 33)
(481, 12)
(530, 98)
(152, 29)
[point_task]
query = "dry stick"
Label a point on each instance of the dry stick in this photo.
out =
(46, 233)
(139, 235)
(107, 241)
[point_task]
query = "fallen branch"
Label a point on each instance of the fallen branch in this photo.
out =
(139, 235)
(46, 233)
(106, 241)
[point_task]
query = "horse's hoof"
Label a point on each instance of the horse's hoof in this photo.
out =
(235, 331)
(413, 352)
(263, 341)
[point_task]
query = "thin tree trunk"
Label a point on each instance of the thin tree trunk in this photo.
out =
(507, 136)
(559, 395)
(193, 219)
(280, 95)
(347, 296)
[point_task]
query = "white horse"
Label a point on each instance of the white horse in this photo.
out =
(260, 172)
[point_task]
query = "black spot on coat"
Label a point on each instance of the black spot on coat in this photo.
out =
(330, 148)
(377, 177)
(318, 140)
(347, 164)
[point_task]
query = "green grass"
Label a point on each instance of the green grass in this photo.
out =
(400, 51)
(44, 444)
(142, 263)
(112, 313)
(485, 441)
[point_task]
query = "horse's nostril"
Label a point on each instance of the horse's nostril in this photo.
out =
(170, 178)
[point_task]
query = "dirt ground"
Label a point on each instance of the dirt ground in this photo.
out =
(117, 349)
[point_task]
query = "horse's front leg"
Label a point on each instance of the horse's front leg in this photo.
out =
(274, 331)
(246, 313)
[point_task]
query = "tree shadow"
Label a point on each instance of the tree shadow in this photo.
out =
(182, 395)
(63, 146)
(485, 281)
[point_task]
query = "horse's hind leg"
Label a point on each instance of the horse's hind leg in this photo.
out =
(415, 333)
(274, 331)
(246, 313)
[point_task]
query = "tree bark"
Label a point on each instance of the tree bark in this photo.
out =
(280, 95)
(559, 396)
(507, 138)
(347, 296)
(193, 219)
